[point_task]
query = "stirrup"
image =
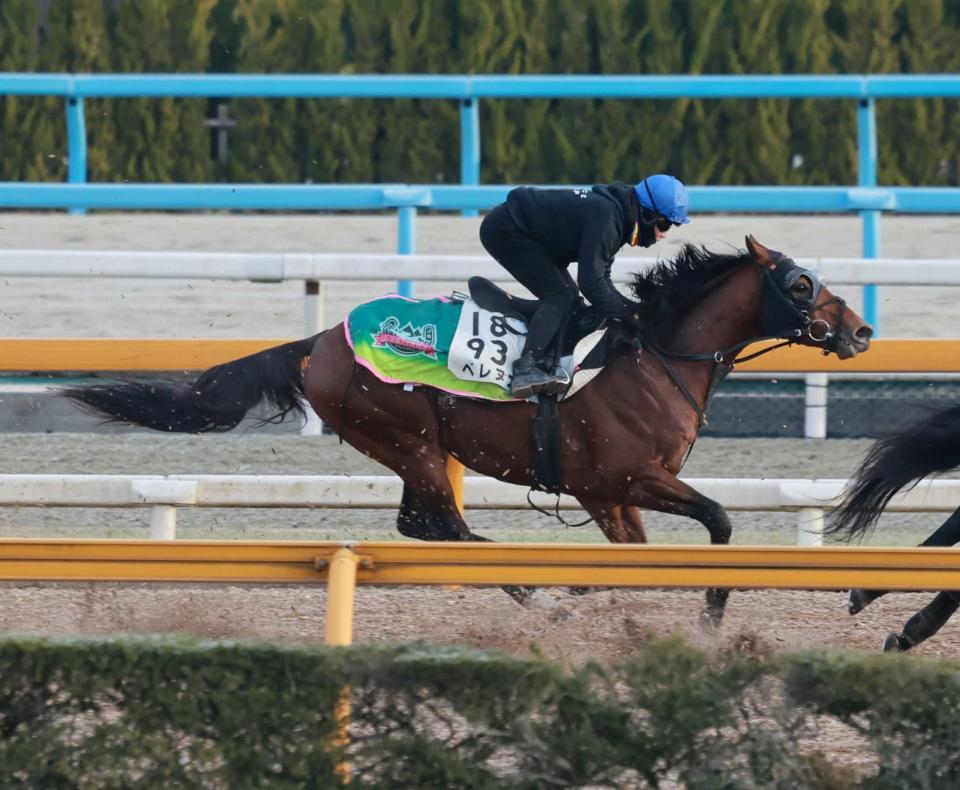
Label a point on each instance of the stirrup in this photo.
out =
(541, 383)
(560, 383)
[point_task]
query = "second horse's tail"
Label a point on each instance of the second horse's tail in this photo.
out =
(930, 446)
(216, 401)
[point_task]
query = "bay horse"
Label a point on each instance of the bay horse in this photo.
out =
(929, 446)
(624, 437)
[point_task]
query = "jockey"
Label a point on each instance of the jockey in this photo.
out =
(537, 233)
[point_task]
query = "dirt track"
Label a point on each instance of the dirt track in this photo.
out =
(604, 625)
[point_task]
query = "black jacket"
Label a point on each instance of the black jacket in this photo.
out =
(588, 226)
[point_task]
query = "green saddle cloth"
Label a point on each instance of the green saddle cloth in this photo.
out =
(450, 345)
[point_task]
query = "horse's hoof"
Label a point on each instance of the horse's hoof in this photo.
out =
(586, 590)
(539, 599)
(543, 601)
(892, 644)
(857, 601)
(710, 620)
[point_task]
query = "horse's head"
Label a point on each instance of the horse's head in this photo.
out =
(796, 304)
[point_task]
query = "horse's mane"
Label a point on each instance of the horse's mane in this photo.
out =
(672, 287)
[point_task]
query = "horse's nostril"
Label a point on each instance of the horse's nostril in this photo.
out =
(865, 332)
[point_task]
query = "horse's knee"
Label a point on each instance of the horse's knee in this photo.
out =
(715, 519)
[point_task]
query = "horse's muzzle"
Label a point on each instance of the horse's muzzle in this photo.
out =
(853, 341)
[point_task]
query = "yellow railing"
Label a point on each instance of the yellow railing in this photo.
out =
(344, 565)
(90, 354)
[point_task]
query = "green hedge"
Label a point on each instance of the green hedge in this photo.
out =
(161, 712)
(529, 141)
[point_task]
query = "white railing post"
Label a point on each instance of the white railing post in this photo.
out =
(163, 522)
(815, 409)
(164, 495)
(313, 322)
(810, 526)
(313, 306)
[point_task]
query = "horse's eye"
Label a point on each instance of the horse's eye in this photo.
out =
(802, 288)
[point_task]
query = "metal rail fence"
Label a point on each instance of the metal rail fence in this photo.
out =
(313, 269)
(344, 565)
(79, 355)
(163, 494)
(866, 199)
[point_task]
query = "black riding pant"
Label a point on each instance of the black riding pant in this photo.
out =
(533, 266)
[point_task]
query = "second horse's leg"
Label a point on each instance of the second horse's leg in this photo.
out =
(948, 534)
(924, 623)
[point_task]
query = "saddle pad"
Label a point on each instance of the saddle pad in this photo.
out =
(450, 345)
(454, 346)
(588, 359)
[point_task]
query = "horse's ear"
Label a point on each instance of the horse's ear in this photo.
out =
(760, 253)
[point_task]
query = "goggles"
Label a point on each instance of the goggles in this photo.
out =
(648, 217)
(655, 217)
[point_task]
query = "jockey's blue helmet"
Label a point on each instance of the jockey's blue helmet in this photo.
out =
(665, 195)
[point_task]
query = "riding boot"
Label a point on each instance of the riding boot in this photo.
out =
(530, 379)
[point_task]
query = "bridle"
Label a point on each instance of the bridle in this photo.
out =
(782, 317)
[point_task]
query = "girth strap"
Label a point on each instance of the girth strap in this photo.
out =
(546, 445)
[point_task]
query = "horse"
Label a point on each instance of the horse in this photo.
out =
(625, 436)
(928, 446)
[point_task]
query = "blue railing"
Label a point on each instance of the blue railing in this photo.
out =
(468, 90)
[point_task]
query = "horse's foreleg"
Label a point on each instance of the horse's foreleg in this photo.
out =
(633, 521)
(924, 623)
(612, 521)
(947, 534)
(427, 512)
(619, 523)
(661, 491)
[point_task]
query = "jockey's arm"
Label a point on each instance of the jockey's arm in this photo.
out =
(593, 275)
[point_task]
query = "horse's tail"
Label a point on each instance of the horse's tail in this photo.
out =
(930, 446)
(216, 401)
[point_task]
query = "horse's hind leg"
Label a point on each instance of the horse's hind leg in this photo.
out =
(947, 534)
(416, 519)
(924, 623)
(659, 490)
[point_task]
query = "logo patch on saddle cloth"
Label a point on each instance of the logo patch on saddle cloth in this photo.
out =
(407, 340)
